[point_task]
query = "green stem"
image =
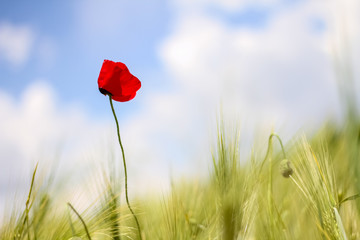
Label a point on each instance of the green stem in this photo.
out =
(125, 171)
(71, 224)
(27, 209)
(81, 219)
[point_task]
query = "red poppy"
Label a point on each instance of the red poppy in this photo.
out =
(116, 80)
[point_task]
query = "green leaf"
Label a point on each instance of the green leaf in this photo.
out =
(350, 198)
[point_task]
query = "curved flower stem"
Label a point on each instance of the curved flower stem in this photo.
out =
(270, 189)
(269, 147)
(125, 171)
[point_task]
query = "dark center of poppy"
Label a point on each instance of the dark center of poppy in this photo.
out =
(105, 92)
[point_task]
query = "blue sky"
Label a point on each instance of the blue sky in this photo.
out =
(82, 34)
(267, 64)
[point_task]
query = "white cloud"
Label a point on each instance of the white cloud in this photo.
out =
(345, 39)
(280, 73)
(18, 43)
(34, 123)
(15, 43)
(34, 128)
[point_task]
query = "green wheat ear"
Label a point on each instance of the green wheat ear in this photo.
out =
(340, 224)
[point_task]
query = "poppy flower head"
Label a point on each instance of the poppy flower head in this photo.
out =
(116, 80)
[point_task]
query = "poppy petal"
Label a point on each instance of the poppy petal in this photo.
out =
(116, 79)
